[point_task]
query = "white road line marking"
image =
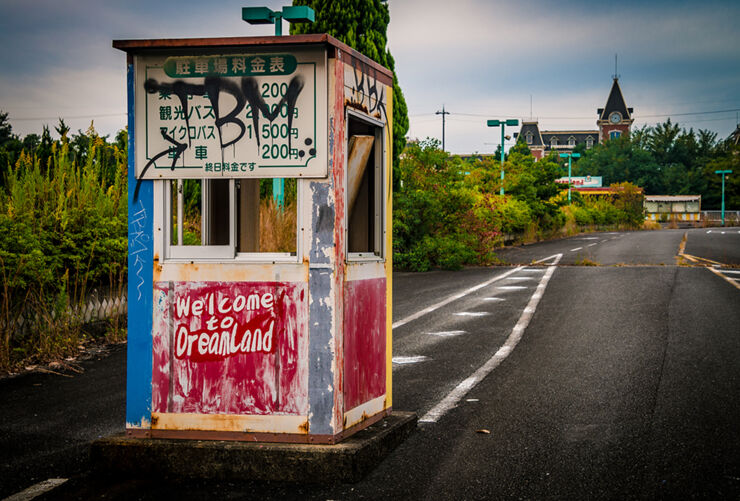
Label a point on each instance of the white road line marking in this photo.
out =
(520, 278)
(729, 280)
(511, 287)
(452, 298)
(36, 490)
(532, 270)
(734, 272)
(409, 360)
(447, 333)
(493, 299)
(591, 245)
(576, 249)
(556, 256)
(452, 398)
(472, 313)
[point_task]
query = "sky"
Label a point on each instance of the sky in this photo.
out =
(530, 59)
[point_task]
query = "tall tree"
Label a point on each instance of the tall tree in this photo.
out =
(362, 24)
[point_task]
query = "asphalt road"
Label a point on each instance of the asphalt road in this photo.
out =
(622, 383)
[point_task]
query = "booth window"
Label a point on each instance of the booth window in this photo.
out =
(365, 181)
(230, 218)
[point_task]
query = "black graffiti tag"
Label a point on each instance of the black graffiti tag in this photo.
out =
(366, 86)
(213, 87)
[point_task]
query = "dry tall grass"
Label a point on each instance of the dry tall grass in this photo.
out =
(277, 227)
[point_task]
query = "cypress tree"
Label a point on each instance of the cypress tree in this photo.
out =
(362, 24)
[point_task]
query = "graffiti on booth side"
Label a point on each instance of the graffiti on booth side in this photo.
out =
(139, 243)
(216, 326)
(365, 94)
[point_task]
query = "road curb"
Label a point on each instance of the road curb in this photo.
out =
(348, 461)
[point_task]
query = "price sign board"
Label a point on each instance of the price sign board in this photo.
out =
(232, 114)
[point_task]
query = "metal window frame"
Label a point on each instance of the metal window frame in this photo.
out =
(379, 252)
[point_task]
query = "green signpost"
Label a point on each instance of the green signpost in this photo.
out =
(502, 124)
(263, 15)
(570, 156)
(723, 172)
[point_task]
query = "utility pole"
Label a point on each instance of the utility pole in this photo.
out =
(443, 113)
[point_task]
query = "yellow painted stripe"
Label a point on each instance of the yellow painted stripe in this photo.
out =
(389, 252)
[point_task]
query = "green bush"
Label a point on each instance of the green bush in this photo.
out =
(63, 230)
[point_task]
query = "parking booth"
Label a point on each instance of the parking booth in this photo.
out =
(251, 316)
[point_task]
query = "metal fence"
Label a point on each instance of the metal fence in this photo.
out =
(96, 308)
(731, 216)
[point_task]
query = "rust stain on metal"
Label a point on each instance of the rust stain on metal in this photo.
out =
(155, 419)
(303, 428)
(358, 106)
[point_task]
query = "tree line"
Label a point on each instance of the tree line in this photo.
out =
(668, 160)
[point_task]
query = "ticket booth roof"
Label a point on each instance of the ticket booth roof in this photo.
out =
(172, 45)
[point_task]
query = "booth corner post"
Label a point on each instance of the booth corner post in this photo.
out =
(229, 330)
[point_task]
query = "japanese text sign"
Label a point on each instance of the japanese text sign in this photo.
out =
(231, 115)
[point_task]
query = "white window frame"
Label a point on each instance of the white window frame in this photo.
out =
(217, 253)
(380, 168)
(589, 142)
(571, 142)
(553, 142)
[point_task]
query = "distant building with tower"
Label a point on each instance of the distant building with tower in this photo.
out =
(614, 119)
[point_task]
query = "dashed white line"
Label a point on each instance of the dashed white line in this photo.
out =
(452, 298)
(472, 313)
(409, 360)
(452, 398)
(532, 270)
(36, 490)
(511, 287)
(520, 278)
(576, 249)
(591, 245)
(734, 272)
(447, 333)
(493, 299)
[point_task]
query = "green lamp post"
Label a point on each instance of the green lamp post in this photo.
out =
(502, 124)
(723, 172)
(263, 15)
(570, 156)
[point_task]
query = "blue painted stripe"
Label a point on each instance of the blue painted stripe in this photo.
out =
(140, 282)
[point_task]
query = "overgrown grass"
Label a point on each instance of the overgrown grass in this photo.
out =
(62, 231)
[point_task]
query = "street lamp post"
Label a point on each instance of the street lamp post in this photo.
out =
(264, 15)
(502, 124)
(569, 155)
(723, 172)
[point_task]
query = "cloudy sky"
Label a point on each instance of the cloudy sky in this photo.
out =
(479, 59)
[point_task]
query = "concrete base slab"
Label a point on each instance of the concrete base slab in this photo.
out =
(347, 461)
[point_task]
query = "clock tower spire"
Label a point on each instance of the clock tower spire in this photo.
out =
(615, 118)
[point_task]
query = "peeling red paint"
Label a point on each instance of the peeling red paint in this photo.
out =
(338, 173)
(364, 341)
(231, 348)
